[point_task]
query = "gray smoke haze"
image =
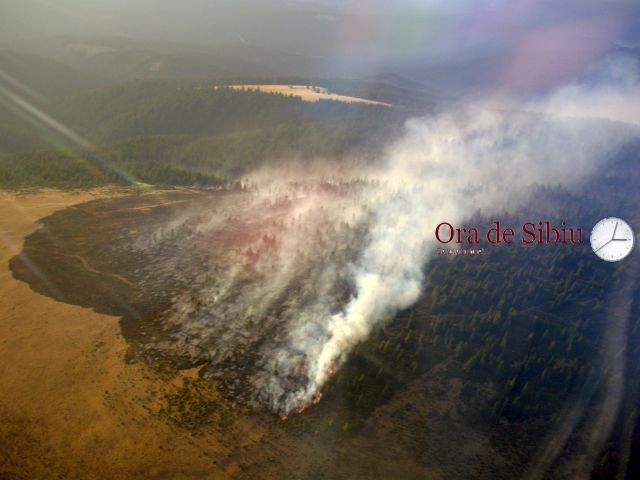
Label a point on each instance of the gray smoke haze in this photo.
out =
(450, 48)
(442, 170)
(613, 94)
(305, 266)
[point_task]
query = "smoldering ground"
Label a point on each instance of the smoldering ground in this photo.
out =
(302, 271)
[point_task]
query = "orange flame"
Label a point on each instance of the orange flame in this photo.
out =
(316, 397)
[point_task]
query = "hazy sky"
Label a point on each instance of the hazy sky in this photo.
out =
(199, 19)
(528, 44)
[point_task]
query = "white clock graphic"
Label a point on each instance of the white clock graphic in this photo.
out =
(612, 239)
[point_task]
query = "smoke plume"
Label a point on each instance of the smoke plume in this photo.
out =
(444, 169)
(294, 273)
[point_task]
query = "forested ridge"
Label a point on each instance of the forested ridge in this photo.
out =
(528, 331)
(183, 133)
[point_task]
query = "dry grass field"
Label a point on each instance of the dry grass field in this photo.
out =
(70, 406)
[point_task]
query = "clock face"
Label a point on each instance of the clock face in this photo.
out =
(612, 239)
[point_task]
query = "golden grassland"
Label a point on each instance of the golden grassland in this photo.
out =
(70, 406)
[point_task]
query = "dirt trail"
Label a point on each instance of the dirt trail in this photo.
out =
(86, 265)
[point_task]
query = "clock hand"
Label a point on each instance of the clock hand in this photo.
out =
(602, 246)
(619, 239)
(614, 231)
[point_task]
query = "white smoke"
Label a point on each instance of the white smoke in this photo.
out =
(612, 94)
(296, 273)
(445, 168)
